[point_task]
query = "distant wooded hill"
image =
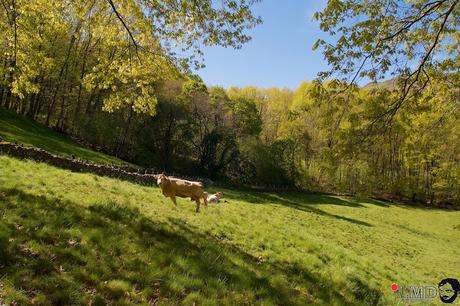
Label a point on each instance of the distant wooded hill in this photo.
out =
(388, 84)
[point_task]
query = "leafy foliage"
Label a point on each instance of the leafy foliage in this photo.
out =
(405, 38)
(106, 53)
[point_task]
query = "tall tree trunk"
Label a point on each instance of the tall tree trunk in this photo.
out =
(61, 72)
(38, 105)
(90, 101)
(8, 98)
(123, 137)
(82, 74)
(2, 88)
(12, 68)
(59, 123)
(34, 99)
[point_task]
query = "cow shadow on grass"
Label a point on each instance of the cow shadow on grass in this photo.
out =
(300, 201)
(58, 252)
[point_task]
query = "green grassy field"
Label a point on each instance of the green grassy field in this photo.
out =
(71, 238)
(15, 128)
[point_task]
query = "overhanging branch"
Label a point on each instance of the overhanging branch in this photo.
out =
(136, 46)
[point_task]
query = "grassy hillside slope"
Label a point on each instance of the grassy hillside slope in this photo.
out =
(15, 128)
(78, 238)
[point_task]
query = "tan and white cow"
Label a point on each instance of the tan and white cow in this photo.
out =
(173, 187)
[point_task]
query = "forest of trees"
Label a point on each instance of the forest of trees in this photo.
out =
(116, 76)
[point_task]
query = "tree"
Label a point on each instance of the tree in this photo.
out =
(187, 25)
(246, 119)
(58, 56)
(406, 39)
(271, 105)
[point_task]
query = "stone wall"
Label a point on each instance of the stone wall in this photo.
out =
(140, 176)
(145, 177)
(148, 176)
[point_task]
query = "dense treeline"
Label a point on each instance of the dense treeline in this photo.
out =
(329, 139)
(77, 67)
(96, 69)
(63, 60)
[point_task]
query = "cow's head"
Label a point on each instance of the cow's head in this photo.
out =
(161, 178)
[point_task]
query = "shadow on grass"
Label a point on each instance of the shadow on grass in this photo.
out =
(327, 292)
(58, 252)
(302, 202)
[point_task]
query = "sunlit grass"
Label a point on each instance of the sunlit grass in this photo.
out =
(79, 238)
(18, 129)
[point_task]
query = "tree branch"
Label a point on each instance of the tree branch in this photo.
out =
(136, 46)
(408, 85)
(409, 24)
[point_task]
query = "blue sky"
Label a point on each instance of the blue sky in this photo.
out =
(280, 53)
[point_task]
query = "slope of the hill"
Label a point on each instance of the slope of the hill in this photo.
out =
(16, 128)
(70, 238)
(390, 84)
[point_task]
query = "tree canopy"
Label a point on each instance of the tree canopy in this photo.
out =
(115, 49)
(379, 39)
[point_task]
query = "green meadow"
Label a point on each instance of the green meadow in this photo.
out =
(71, 238)
(361, 98)
(19, 129)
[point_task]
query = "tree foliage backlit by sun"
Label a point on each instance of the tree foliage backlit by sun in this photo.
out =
(404, 39)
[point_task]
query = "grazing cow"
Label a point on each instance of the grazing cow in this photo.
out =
(215, 198)
(174, 187)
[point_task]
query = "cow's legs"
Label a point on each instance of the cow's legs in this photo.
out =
(197, 200)
(174, 200)
(205, 200)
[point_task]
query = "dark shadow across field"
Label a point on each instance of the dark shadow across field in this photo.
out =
(302, 202)
(67, 254)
